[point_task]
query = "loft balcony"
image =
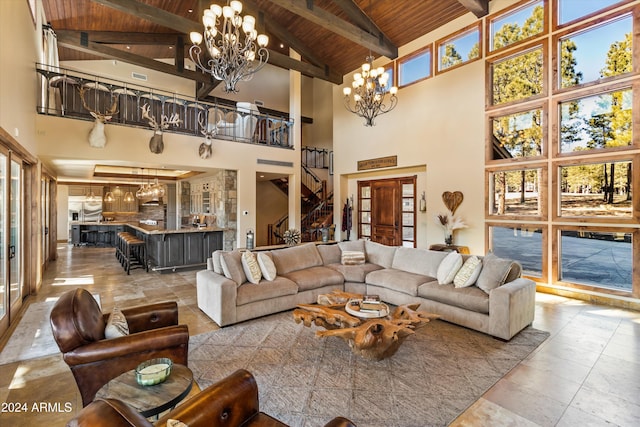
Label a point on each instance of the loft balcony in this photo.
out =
(60, 95)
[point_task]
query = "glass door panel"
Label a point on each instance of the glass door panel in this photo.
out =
(4, 294)
(15, 235)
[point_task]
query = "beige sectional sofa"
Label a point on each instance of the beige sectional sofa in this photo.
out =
(499, 302)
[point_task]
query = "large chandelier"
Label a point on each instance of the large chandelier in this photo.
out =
(370, 89)
(235, 48)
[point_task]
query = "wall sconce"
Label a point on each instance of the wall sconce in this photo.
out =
(423, 203)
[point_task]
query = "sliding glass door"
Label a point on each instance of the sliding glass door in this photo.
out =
(15, 236)
(11, 236)
(4, 291)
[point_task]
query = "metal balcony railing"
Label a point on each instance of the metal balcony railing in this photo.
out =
(60, 96)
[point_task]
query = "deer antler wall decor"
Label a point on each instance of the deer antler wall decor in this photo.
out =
(205, 150)
(97, 137)
(156, 144)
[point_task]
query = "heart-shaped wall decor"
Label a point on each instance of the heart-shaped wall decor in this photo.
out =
(452, 200)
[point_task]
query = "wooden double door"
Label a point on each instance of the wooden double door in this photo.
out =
(386, 211)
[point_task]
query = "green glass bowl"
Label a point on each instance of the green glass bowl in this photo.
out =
(153, 371)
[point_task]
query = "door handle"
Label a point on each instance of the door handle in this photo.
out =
(12, 251)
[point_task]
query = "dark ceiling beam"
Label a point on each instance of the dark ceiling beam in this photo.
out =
(74, 40)
(118, 37)
(336, 25)
(274, 28)
(479, 8)
(365, 22)
(184, 25)
(153, 14)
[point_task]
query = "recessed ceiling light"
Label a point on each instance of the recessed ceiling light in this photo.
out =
(170, 47)
(190, 10)
(128, 47)
(281, 45)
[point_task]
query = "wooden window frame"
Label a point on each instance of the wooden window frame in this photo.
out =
(515, 109)
(545, 243)
(602, 89)
(584, 27)
(555, 25)
(458, 34)
(556, 217)
(511, 9)
(543, 45)
(399, 62)
(635, 249)
(542, 194)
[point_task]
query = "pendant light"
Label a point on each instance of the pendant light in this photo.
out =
(90, 195)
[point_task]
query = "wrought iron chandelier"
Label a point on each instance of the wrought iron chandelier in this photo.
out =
(370, 89)
(235, 48)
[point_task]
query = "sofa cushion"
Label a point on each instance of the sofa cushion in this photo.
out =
(216, 256)
(250, 267)
(117, 325)
(468, 273)
(494, 272)
(418, 261)
(470, 298)
(315, 277)
(267, 267)
(296, 258)
(330, 254)
(449, 267)
(250, 292)
(379, 254)
(351, 245)
(398, 280)
(352, 258)
(232, 267)
(354, 273)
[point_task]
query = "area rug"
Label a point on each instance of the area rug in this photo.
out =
(32, 337)
(305, 381)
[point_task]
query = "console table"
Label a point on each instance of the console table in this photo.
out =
(450, 248)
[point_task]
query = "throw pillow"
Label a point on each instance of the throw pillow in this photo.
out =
(448, 268)
(251, 267)
(352, 258)
(494, 272)
(468, 273)
(232, 267)
(217, 264)
(117, 325)
(267, 266)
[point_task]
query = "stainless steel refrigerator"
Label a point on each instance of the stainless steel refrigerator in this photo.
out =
(84, 211)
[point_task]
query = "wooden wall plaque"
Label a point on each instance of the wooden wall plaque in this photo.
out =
(378, 163)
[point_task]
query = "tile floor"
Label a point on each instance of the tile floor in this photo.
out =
(586, 373)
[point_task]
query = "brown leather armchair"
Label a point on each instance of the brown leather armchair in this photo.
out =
(231, 402)
(78, 328)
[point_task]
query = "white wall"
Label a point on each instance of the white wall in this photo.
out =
(438, 126)
(18, 84)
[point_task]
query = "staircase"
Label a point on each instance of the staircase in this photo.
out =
(317, 205)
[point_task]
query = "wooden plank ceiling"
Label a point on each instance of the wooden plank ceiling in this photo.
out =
(333, 36)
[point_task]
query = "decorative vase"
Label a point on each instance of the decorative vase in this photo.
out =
(448, 238)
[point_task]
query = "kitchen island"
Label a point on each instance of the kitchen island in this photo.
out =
(166, 250)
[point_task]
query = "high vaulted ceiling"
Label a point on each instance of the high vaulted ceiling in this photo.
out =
(332, 36)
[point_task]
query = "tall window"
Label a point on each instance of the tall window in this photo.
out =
(570, 182)
(459, 48)
(415, 67)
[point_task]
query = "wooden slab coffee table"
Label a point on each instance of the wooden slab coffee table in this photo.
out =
(372, 338)
(150, 400)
